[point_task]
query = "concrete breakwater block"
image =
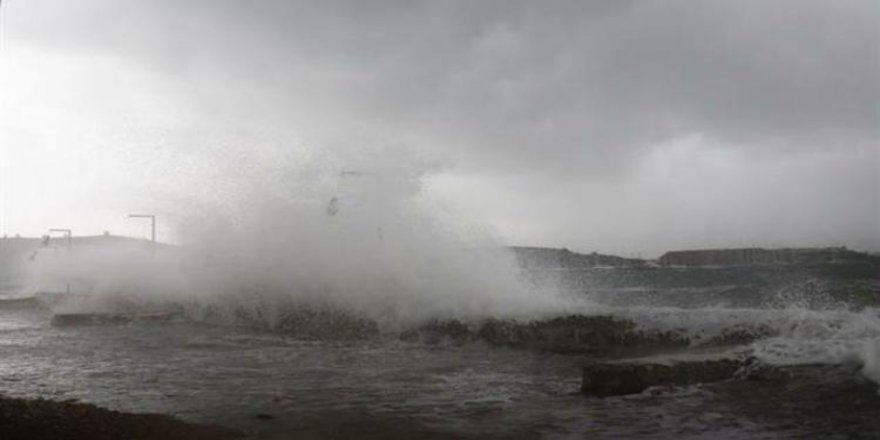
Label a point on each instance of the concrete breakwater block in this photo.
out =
(25, 303)
(80, 319)
(76, 319)
(614, 379)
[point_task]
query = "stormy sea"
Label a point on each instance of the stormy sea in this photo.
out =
(409, 343)
(458, 219)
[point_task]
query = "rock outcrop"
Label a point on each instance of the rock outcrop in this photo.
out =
(598, 335)
(39, 419)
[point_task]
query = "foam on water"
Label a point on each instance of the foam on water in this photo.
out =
(785, 336)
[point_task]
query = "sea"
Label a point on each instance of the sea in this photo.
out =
(817, 335)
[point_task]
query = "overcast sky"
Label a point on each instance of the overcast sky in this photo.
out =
(627, 127)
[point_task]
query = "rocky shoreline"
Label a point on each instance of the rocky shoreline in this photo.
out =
(40, 419)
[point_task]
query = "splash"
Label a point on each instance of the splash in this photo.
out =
(362, 241)
(107, 274)
(370, 245)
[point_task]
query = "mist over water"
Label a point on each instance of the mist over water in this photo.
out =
(364, 241)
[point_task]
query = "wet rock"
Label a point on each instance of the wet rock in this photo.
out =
(78, 319)
(598, 335)
(300, 321)
(324, 324)
(28, 303)
(434, 332)
(740, 336)
(593, 334)
(613, 379)
(81, 319)
(38, 419)
(576, 334)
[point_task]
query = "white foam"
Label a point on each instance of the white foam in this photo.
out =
(800, 336)
(871, 359)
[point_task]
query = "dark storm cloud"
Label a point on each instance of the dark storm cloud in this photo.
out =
(574, 85)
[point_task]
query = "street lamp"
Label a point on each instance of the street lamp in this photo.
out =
(152, 224)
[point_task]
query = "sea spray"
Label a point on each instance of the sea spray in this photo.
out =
(361, 242)
(109, 275)
(871, 359)
(368, 247)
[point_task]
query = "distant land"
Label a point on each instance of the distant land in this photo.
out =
(533, 257)
(538, 257)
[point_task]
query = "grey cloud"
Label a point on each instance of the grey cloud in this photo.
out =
(576, 85)
(579, 87)
(555, 93)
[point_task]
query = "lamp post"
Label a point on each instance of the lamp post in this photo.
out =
(152, 224)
